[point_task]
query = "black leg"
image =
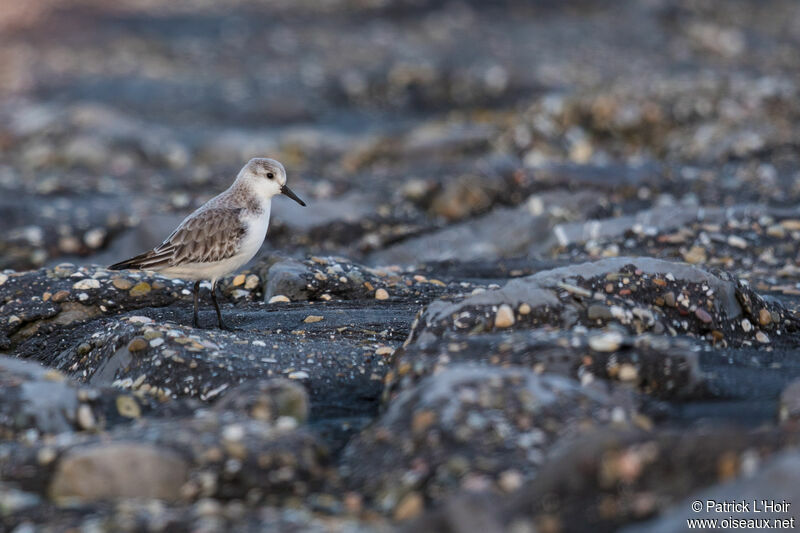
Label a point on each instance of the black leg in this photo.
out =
(196, 303)
(216, 305)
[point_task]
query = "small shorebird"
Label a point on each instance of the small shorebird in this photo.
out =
(222, 235)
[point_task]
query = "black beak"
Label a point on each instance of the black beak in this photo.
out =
(288, 192)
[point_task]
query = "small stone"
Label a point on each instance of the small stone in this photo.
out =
(86, 284)
(599, 312)
(279, 298)
(137, 344)
(60, 296)
(381, 294)
(702, 315)
(84, 348)
(746, 325)
(696, 254)
(251, 282)
(239, 280)
(122, 283)
(384, 350)
(778, 232)
(510, 480)
(669, 299)
(128, 407)
(85, 417)
(737, 242)
(3, 278)
(606, 342)
(409, 507)
(791, 224)
(155, 343)
(524, 309)
(627, 372)
(310, 319)
(764, 317)
(762, 337)
(140, 289)
(94, 238)
(504, 317)
(300, 374)
(116, 470)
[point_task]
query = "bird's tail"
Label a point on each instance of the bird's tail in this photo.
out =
(146, 261)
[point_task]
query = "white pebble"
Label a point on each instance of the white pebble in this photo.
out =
(86, 284)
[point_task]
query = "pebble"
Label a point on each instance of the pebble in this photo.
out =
(94, 238)
(128, 407)
(737, 242)
(239, 280)
(696, 254)
(599, 312)
(122, 283)
(409, 507)
(251, 282)
(504, 317)
(140, 289)
(85, 417)
(702, 315)
(746, 325)
(155, 343)
(300, 374)
(627, 372)
(137, 344)
(381, 294)
(86, 284)
(279, 298)
(762, 337)
(524, 309)
(310, 319)
(764, 317)
(3, 278)
(669, 299)
(606, 342)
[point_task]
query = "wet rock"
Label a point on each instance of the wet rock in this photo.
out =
(521, 228)
(443, 433)
(324, 278)
(604, 481)
(214, 455)
(560, 298)
(765, 489)
(267, 400)
(121, 470)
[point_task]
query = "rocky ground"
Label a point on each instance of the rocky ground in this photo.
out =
(547, 282)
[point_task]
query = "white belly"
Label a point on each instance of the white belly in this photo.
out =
(249, 246)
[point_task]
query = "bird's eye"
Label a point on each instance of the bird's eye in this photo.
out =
(270, 175)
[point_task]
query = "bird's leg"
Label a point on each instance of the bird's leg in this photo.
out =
(196, 303)
(216, 305)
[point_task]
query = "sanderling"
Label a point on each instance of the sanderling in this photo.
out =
(222, 235)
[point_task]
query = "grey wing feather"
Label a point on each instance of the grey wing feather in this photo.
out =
(211, 235)
(206, 236)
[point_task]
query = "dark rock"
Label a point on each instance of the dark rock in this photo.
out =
(471, 426)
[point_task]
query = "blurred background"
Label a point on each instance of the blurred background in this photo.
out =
(394, 118)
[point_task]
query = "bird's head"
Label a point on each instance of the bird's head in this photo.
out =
(267, 178)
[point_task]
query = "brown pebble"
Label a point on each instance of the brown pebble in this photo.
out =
(504, 317)
(122, 283)
(669, 299)
(137, 344)
(764, 317)
(409, 507)
(381, 294)
(140, 289)
(128, 407)
(60, 296)
(239, 280)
